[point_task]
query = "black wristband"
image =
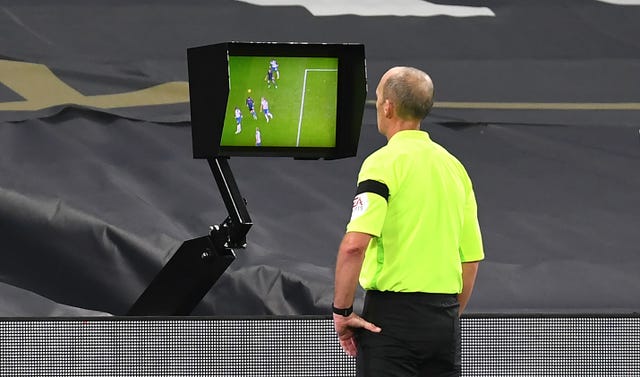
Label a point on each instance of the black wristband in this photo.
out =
(343, 312)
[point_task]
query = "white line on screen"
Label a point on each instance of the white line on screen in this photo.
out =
(304, 89)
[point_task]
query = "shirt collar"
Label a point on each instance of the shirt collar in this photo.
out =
(410, 135)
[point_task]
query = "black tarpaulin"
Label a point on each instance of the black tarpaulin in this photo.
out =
(98, 188)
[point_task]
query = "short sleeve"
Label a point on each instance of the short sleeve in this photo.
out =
(471, 248)
(370, 203)
(368, 214)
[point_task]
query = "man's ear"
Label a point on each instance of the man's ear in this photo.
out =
(387, 108)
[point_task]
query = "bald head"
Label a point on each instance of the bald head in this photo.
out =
(410, 89)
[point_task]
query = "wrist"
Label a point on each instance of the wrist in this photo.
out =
(345, 312)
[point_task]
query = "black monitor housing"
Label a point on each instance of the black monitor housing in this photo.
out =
(321, 102)
(321, 95)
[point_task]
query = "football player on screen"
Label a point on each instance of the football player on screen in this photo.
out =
(273, 65)
(258, 137)
(251, 107)
(270, 78)
(264, 105)
(238, 115)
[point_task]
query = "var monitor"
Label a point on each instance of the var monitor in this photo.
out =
(300, 100)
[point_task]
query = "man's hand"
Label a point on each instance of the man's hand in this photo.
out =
(345, 327)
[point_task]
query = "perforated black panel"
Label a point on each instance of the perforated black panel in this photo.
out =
(304, 346)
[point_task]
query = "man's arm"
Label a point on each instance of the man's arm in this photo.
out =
(348, 265)
(469, 273)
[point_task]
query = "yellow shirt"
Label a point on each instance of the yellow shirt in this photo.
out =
(426, 227)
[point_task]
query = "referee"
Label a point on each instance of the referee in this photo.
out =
(413, 243)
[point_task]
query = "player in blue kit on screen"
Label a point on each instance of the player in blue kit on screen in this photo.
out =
(251, 107)
(270, 78)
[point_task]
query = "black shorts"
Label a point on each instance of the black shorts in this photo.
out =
(420, 335)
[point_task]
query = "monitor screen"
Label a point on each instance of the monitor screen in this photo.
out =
(296, 100)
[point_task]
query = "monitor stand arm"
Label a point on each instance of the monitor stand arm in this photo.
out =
(232, 232)
(198, 263)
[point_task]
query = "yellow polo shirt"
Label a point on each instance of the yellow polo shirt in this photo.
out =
(426, 226)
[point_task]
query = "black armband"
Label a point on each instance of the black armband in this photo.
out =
(375, 187)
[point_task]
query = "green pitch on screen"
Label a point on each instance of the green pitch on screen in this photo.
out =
(303, 105)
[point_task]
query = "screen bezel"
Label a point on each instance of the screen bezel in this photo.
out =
(209, 90)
